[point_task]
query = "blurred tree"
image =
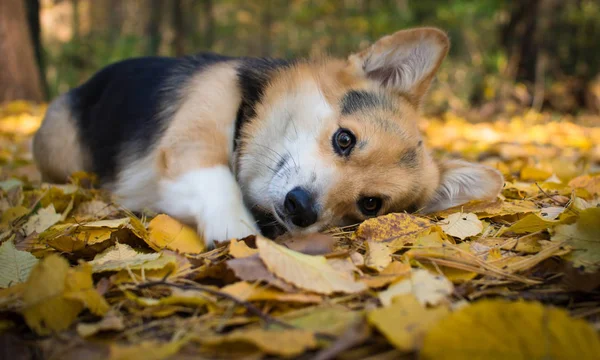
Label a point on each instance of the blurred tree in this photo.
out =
(153, 29)
(207, 24)
(178, 28)
(33, 18)
(19, 73)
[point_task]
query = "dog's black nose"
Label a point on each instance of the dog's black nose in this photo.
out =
(299, 206)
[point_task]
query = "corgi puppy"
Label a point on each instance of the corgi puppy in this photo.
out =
(234, 145)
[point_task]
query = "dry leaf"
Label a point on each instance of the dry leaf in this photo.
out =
(120, 256)
(111, 321)
(405, 322)
(45, 308)
(428, 288)
(245, 291)
(587, 182)
(151, 350)
(15, 265)
(311, 244)
(79, 286)
(239, 249)
(42, 220)
(584, 238)
(308, 272)
(393, 272)
(378, 255)
(499, 329)
(289, 342)
(168, 233)
(252, 268)
(393, 228)
(462, 225)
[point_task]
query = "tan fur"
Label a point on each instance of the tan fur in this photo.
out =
(56, 146)
(200, 133)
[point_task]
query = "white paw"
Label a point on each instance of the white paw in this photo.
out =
(238, 224)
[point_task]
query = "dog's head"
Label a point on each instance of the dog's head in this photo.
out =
(335, 142)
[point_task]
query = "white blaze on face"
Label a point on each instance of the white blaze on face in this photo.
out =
(289, 137)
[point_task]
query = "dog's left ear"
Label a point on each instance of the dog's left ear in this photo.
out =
(405, 61)
(462, 182)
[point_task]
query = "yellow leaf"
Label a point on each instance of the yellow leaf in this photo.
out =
(119, 257)
(287, 343)
(149, 350)
(42, 220)
(462, 225)
(499, 329)
(530, 173)
(238, 249)
(378, 255)
(535, 222)
(392, 227)
(168, 233)
(245, 291)
(79, 286)
(587, 182)
(12, 214)
(393, 272)
(428, 288)
(305, 271)
(584, 237)
(45, 308)
(405, 322)
(330, 319)
(15, 265)
(111, 321)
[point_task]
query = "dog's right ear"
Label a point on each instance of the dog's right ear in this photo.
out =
(405, 61)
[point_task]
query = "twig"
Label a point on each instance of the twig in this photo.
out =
(269, 320)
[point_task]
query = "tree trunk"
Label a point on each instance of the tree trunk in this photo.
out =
(19, 73)
(265, 29)
(33, 18)
(153, 29)
(179, 28)
(207, 23)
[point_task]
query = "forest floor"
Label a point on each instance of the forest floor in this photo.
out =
(518, 277)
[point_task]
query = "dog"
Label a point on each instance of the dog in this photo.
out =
(235, 145)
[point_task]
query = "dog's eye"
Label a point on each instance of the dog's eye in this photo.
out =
(370, 206)
(343, 141)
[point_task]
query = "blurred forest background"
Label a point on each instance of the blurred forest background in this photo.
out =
(506, 55)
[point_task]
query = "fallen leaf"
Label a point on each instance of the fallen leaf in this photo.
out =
(405, 322)
(392, 228)
(151, 350)
(462, 225)
(239, 249)
(247, 292)
(119, 257)
(305, 271)
(378, 255)
(79, 286)
(428, 288)
(499, 329)
(252, 268)
(327, 319)
(45, 308)
(168, 233)
(587, 182)
(393, 272)
(535, 222)
(111, 321)
(311, 244)
(584, 238)
(15, 265)
(290, 342)
(42, 220)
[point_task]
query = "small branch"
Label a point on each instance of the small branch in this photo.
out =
(269, 320)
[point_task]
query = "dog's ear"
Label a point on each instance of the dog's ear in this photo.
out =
(462, 182)
(405, 61)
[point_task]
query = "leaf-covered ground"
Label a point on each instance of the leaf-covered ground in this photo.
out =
(514, 278)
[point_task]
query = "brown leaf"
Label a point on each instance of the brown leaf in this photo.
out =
(252, 268)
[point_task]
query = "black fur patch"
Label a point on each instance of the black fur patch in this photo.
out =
(358, 100)
(254, 75)
(125, 107)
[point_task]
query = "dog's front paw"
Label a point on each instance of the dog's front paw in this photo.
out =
(227, 227)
